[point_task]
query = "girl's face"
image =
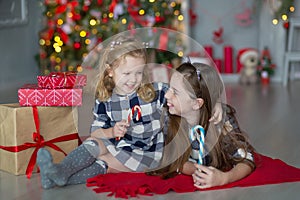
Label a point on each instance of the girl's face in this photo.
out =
(178, 98)
(128, 75)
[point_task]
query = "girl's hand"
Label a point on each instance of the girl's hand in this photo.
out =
(120, 129)
(206, 177)
(217, 114)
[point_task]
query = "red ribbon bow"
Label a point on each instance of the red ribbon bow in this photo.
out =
(38, 143)
(63, 75)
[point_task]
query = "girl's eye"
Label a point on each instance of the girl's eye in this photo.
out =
(173, 91)
(126, 73)
(139, 73)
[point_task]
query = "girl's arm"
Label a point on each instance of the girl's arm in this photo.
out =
(241, 170)
(206, 177)
(102, 133)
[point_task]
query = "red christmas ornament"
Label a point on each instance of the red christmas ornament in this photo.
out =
(105, 20)
(77, 45)
(99, 2)
(76, 16)
(85, 8)
(159, 19)
(286, 25)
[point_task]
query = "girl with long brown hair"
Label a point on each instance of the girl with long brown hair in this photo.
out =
(194, 91)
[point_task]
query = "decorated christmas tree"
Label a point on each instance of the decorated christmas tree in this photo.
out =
(265, 67)
(73, 28)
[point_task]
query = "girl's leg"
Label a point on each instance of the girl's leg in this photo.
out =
(80, 158)
(115, 166)
(98, 167)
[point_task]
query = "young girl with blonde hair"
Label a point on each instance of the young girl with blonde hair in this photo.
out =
(126, 134)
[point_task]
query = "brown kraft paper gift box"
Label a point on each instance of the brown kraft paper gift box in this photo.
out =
(17, 126)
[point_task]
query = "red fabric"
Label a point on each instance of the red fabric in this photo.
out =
(124, 185)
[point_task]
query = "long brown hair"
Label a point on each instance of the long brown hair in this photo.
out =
(202, 81)
(119, 48)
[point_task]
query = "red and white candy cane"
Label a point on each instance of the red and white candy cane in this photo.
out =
(134, 110)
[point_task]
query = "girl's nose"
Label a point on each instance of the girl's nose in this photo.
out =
(133, 78)
(168, 93)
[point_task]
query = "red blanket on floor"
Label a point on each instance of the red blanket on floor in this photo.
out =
(122, 185)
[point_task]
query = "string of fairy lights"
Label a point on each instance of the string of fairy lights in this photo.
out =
(282, 10)
(283, 16)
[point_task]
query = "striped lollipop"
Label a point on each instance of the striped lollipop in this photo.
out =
(197, 132)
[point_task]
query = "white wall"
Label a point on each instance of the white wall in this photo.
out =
(19, 44)
(258, 35)
(274, 37)
(214, 12)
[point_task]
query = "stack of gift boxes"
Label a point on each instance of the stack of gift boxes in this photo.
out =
(46, 116)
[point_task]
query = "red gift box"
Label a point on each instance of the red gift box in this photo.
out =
(61, 80)
(32, 95)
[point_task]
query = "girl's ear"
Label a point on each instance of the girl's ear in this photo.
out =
(198, 103)
(109, 70)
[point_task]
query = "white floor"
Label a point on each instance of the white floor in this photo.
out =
(269, 114)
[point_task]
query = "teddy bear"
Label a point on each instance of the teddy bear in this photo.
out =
(248, 61)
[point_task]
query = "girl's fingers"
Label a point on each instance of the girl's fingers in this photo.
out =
(199, 182)
(123, 123)
(203, 169)
(200, 175)
(201, 185)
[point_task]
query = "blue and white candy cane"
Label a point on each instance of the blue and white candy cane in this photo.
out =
(198, 132)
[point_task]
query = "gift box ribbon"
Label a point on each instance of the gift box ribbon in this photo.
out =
(64, 75)
(38, 143)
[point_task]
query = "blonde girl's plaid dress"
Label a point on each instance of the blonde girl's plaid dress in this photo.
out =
(142, 146)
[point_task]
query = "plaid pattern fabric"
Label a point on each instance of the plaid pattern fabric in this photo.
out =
(141, 147)
(231, 122)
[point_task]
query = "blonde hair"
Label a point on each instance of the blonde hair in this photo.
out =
(113, 55)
